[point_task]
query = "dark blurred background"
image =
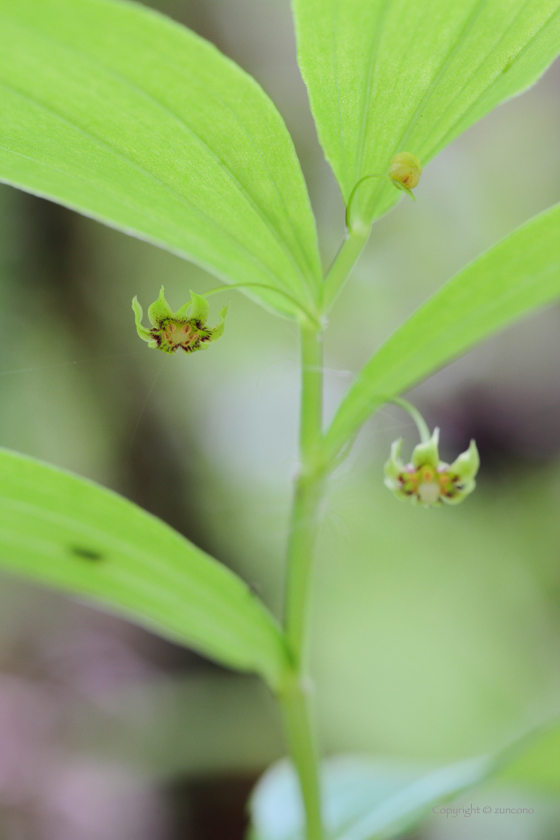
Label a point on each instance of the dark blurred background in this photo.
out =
(436, 634)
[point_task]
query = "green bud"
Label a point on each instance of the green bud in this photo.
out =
(428, 481)
(405, 169)
(185, 329)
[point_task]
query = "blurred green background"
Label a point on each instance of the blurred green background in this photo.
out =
(436, 634)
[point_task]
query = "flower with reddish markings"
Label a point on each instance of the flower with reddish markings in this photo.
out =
(182, 330)
(428, 481)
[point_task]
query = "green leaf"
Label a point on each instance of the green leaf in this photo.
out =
(118, 112)
(363, 798)
(377, 799)
(538, 765)
(388, 76)
(72, 534)
(517, 275)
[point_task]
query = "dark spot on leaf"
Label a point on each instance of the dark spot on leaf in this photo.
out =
(86, 553)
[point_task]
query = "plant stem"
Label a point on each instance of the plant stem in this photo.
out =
(304, 525)
(350, 250)
(303, 530)
(313, 319)
(421, 424)
(308, 493)
(303, 749)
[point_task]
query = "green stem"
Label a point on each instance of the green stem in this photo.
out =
(303, 530)
(313, 319)
(350, 250)
(309, 489)
(303, 749)
(421, 424)
(357, 235)
(359, 183)
(308, 493)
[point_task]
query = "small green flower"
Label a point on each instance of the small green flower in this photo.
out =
(429, 481)
(185, 329)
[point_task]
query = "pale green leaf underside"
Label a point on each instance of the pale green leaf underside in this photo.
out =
(122, 114)
(364, 799)
(387, 76)
(72, 534)
(517, 275)
(376, 799)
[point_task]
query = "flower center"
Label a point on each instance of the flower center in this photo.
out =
(177, 332)
(429, 492)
